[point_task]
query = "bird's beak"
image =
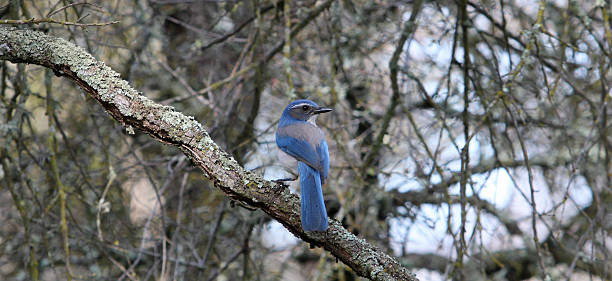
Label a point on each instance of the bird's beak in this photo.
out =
(322, 110)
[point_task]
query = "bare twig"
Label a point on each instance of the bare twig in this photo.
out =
(50, 14)
(49, 20)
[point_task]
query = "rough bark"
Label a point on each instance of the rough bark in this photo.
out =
(134, 110)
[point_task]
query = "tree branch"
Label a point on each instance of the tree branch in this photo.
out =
(407, 30)
(50, 20)
(133, 110)
(420, 197)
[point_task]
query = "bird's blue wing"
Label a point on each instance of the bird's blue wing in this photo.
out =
(300, 150)
(324, 160)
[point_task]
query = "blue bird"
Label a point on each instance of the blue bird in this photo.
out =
(298, 135)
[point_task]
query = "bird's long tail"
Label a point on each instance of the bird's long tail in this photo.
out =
(314, 215)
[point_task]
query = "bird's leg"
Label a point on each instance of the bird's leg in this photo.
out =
(283, 180)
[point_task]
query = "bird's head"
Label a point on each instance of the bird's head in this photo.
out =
(303, 110)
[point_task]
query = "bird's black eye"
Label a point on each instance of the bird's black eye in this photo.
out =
(305, 107)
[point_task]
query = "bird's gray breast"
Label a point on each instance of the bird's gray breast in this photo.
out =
(303, 131)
